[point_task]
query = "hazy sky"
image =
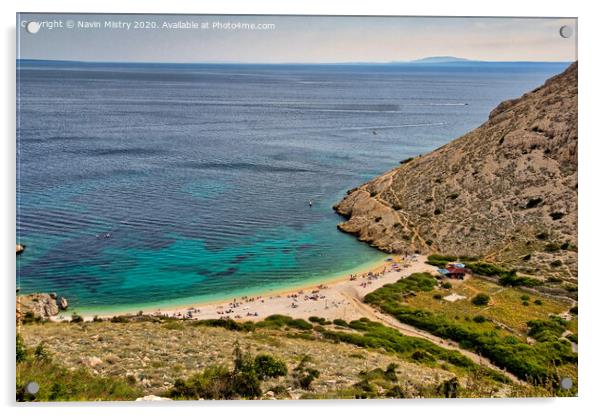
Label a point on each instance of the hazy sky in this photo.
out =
(294, 39)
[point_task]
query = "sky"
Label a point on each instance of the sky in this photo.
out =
(290, 39)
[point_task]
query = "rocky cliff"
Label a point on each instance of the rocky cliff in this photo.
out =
(506, 191)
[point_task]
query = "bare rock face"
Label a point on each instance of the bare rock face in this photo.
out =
(506, 191)
(20, 249)
(41, 305)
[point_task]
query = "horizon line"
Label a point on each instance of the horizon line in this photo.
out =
(417, 62)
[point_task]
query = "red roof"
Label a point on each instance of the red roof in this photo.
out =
(456, 270)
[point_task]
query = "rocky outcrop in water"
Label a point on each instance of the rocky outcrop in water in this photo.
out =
(506, 191)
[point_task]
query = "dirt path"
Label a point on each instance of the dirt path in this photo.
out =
(408, 330)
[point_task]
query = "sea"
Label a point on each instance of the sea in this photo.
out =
(144, 186)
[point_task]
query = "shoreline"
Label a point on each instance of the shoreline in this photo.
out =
(183, 303)
(330, 299)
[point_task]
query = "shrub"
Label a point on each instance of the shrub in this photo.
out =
(278, 320)
(525, 297)
(267, 366)
(488, 269)
(556, 215)
(534, 202)
(319, 320)
(303, 374)
(480, 299)
(214, 382)
(340, 322)
(552, 247)
(447, 285)
(75, 318)
(21, 349)
(29, 317)
(40, 352)
(227, 324)
(217, 382)
(437, 297)
(538, 302)
(546, 330)
(479, 319)
(556, 263)
(513, 280)
(440, 260)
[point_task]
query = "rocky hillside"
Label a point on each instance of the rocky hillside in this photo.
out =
(506, 191)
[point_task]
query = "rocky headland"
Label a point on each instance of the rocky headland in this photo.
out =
(505, 192)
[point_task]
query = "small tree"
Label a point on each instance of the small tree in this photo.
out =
(21, 349)
(480, 299)
(305, 375)
(40, 352)
(267, 366)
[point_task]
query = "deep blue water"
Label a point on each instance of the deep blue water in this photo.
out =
(202, 174)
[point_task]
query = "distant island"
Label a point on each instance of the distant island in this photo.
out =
(442, 59)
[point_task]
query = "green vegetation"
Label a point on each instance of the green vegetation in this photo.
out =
(319, 320)
(57, 383)
(278, 321)
(514, 280)
(340, 322)
(227, 324)
(217, 382)
(75, 318)
(304, 374)
(377, 336)
(267, 367)
(440, 260)
(481, 299)
(533, 363)
(29, 318)
(415, 282)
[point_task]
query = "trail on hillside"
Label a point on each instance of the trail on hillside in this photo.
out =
(412, 331)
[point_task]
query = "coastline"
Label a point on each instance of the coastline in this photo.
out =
(328, 298)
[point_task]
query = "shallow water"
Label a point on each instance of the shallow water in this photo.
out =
(154, 184)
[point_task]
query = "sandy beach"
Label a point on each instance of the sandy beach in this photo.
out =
(335, 299)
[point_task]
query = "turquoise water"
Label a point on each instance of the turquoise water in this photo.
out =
(153, 186)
